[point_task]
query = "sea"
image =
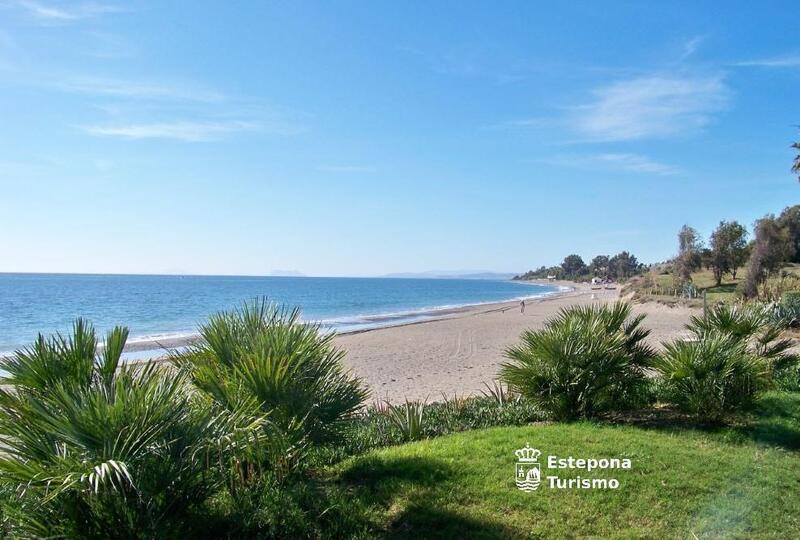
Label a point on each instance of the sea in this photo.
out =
(157, 307)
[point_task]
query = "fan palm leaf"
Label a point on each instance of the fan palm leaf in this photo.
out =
(87, 440)
(586, 360)
(265, 354)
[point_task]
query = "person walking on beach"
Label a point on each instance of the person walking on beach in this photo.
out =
(522, 306)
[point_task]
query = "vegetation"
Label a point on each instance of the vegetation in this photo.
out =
(621, 266)
(586, 361)
(771, 248)
(787, 312)
(408, 418)
(263, 358)
(95, 449)
(728, 250)
(754, 327)
(789, 220)
(689, 257)
(258, 432)
(685, 481)
(736, 353)
(712, 377)
(714, 271)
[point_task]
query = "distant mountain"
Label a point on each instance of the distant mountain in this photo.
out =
(287, 273)
(452, 274)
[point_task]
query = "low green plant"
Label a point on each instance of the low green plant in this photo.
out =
(409, 418)
(303, 508)
(752, 325)
(93, 448)
(455, 403)
(585, 361)
(711, 377)
(498, 393)
(374, 427)
(786, 313)
(263, 354)
(788, 379)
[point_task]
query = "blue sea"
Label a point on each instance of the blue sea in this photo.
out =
(159, 307)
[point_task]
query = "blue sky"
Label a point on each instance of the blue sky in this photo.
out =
(361, 138)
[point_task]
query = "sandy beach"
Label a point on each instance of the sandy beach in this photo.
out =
(461, 351)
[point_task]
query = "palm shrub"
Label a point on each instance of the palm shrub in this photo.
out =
(264, 354)
(754, 326)
(95, 449)
(586, 360)
(713, 376)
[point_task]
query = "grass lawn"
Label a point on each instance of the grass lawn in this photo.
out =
(741, 481)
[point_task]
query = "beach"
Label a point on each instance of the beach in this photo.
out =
(458, 353)
(454, 350)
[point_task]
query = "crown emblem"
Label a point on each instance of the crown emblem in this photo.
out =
(527, 454)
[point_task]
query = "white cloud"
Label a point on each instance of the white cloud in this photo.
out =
(137, 89)
(626, 162)
(691, 46)
(652, 106)
(637, 163)
(52, 13)
(790, 61)
(182, 131)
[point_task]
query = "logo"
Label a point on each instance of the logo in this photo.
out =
(528, 473)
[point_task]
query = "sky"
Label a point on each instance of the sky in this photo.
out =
(363, 138)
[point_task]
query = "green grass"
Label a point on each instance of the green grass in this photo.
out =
(705, 281)
(739, 481)
(727, 292)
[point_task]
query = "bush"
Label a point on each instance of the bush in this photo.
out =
(786, 313)
(265, 356)
(95, 449)
(711, 377)
(375, 428)
(754, 327)
(788, 379)
(586, 361)
(304, 508)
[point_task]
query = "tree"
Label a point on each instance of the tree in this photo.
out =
(790, 220)
(623, 265)
(599, 265)
(728, 249)
(706, 258)
(796, 165)
(689, 254)
(771, 248)
(573, 266)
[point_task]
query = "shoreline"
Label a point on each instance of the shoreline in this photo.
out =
(453, 351)
(459, 354)
(402, 318)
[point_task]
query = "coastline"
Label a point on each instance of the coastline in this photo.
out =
(380, 320)
(459, 354)
(454, 350)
